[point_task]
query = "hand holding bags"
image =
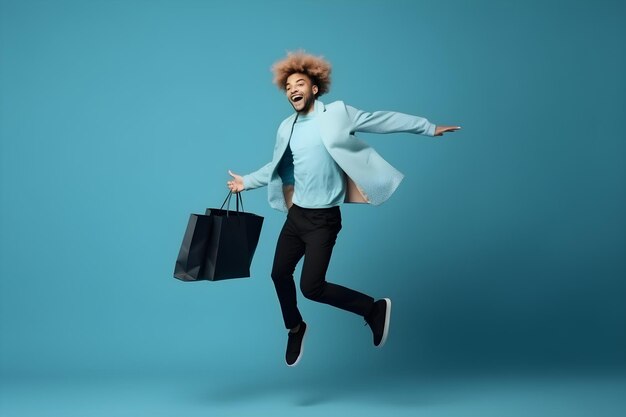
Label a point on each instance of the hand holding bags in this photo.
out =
(219, 244)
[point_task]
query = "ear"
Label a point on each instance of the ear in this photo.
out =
(315, 90)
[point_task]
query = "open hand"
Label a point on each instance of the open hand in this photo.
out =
(236, 184)
(440, 130)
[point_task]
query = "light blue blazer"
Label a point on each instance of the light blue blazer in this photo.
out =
(370, 179)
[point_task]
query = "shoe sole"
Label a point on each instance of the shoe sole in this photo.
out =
(387, 322)
(306, 331)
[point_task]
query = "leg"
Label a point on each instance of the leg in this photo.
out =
(320, 241)
(289, 251)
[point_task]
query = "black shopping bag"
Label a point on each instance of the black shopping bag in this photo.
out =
(219, 244)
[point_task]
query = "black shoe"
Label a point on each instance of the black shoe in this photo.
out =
(378, 320)
(295, 346)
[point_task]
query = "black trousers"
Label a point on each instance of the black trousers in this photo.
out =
(311, 233)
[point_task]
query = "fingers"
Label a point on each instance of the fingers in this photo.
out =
(445, 129)
(233, 186)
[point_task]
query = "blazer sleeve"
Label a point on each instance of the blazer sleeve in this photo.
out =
(258, 178)
(389, 122)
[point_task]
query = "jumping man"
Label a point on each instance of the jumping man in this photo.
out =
(318, 163)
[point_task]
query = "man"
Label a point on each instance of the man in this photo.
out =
(317, 164)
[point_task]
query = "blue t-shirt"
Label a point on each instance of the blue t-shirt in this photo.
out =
(318, 181)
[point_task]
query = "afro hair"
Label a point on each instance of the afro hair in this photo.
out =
(316, 68)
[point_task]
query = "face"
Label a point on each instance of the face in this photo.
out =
(300, 92)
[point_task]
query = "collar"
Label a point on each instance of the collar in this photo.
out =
(319, 107)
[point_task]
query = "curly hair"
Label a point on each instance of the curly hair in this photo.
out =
(316, 68)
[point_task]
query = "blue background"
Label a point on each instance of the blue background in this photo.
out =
(503, 250)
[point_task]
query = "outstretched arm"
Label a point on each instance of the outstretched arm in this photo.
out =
(390, 122)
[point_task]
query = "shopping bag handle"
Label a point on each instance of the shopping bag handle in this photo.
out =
(228, 197)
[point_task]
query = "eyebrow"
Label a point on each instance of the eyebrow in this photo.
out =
(299, 79)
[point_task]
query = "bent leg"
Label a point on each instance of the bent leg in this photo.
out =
(319, 245)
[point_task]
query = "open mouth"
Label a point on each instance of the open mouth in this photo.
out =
(296, 98)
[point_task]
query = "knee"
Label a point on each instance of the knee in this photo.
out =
(312, 292)
(279, 274)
